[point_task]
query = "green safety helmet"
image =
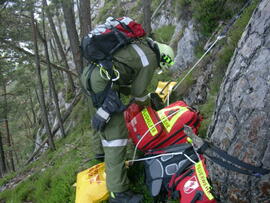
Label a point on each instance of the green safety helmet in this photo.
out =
(166, 56)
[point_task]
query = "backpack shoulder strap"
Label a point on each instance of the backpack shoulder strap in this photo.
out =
(97, 98)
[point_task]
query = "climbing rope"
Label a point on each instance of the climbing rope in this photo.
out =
(165, 117)
(221, 36)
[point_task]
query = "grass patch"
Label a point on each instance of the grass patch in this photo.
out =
(55, 171)
(207, 111)
(164, 34)
(6, 178)
(56, 174)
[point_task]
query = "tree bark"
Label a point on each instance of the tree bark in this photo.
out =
(40, 85)
(85, 17)
(3, 167)
(32, 107)
(54, 52)
(59, 45)
(58, 13)
(72, 34)
(147, 16)
(51, 81)
(241, 122)
(9, 142)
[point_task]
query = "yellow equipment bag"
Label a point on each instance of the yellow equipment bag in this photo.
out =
(91, 185)
(164, 88)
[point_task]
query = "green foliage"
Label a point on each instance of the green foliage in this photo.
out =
(164, 34)
(134, 12)
(183, 3)
(110, 8)
(208, 13)
(182, 9)
(221, 63)
(206, 110)
(5, 179)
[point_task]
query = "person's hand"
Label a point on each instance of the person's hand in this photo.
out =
(111, 104)
(100, 119)
(156, 101)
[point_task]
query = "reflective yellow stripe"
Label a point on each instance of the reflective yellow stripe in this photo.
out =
(169, 123)
(203, 180)
(148, 120)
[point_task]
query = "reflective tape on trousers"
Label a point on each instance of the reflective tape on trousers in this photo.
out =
(203, 180)
(114, 143)
(149, 122)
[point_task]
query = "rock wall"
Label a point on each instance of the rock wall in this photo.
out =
(164, 16)
(185, 55)
(241, 123)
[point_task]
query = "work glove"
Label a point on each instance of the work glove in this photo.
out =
(156, 102)
(100, 119)
(111, 104)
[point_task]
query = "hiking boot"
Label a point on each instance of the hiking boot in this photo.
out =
(125, 197)
(99, 157)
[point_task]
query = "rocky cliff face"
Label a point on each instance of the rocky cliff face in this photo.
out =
(185, 56)
(241, 122)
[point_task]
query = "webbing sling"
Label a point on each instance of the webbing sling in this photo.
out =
(247, 169)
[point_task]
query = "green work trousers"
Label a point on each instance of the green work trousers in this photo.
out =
(114, 141)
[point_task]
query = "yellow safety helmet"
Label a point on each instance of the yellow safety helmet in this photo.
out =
(166, 56)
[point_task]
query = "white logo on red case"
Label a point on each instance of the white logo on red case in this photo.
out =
(191, 185)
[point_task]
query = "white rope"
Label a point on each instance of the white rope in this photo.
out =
(189, 159)
(206, 52)
(136, 147)
(160, 155)
(153, 157)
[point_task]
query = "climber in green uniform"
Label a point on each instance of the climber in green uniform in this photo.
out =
(133, 68)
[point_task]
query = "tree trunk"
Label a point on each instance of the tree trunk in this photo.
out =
(59, 45)
(85, 17)
(60, 28)
(242, 118)
(3, 167)
(147, 16)
(9, 143)
(32, 107)
(40, 85)
(72, 34)
(53, 52)
(51, 82)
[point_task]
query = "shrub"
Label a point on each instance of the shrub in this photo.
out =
(208, 13)
(164, 34)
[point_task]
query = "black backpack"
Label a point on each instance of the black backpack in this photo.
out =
(158, 171)
(105, 39)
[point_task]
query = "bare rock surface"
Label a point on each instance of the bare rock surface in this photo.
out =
(241, 123)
